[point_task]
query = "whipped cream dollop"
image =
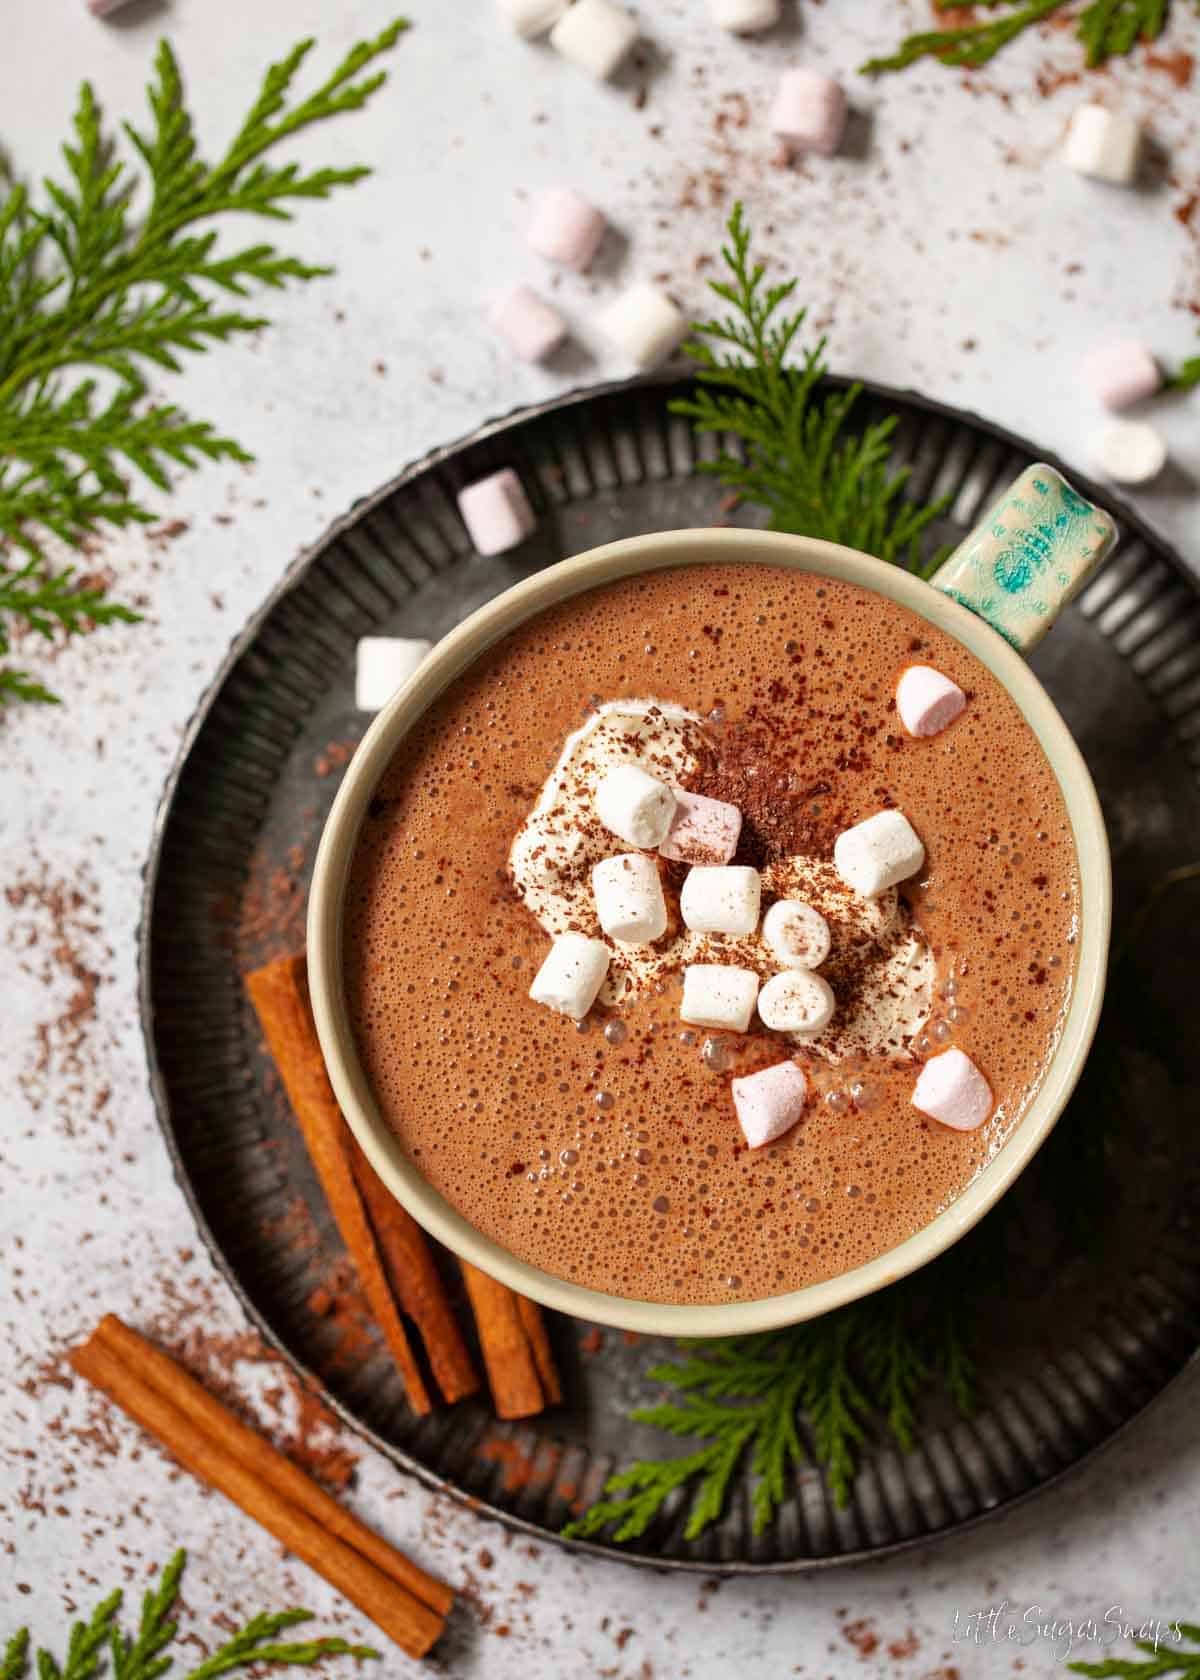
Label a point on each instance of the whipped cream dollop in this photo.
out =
(880, 968)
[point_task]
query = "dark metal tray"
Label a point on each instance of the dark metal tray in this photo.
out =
(1080, 1338)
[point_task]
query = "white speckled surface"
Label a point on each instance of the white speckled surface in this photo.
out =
(956, 256)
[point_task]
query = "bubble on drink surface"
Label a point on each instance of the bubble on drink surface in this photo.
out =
(837, 1102)
(958, 1015)
(604, 1099)
(716, 1054)
(616, 1032)
(941, 1032)
(687, 1038)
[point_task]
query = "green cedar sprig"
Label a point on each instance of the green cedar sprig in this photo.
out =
(1166, 1659)
(1106, 29)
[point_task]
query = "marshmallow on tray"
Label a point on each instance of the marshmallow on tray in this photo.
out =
(1129, 451)
(721, 899)
(950, 1088)
(809, 112)
(770, 1102)
(381, 665)
(797, 934)
(878, 853)
(629, 898)
(1103, 144)
(719, 996)
(645, 324)
(565, 228)
(927, 701)
(529, 324)
(744, 17)
(496, 512)
(702, 830)
(532, 17)
(634, 806)
(1122, 373)
(595, 35)
(571, 977)
(796, 1001)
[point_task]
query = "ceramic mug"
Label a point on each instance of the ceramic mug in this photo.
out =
(997, 595)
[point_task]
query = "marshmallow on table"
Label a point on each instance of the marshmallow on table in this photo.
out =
(634, 806)
(927, 701)
(645, 324)
(595, 35)
(496, 512)
(718, 995)
(529, 324)
(798, 935)
(796, 1001)
(381, 664)
(572, 975)
(1129, 451)
(1103, 144)
(1123, 373)
(721, 898)
(878, 853)
(629, 898)
(702, 830)
(950, 1088)
(565, 228)
(743, 17)
(770, 1102)
(809, 112)
(532, 17)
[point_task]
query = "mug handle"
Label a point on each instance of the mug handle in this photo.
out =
(1031, 553)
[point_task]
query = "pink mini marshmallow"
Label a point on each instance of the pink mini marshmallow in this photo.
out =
(927, 701)
(770, 1102)
(528, 323)
(565, 228)
(951, 1089)
(1121, 374)
(702, 830)
(496, 512)
(809, 112)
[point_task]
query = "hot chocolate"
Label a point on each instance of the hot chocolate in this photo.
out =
(608, 1152)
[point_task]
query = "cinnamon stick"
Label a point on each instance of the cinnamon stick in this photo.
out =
(393, 1609)
(534, 1323)
(515, 1355)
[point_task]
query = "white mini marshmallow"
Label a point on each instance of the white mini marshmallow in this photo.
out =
(1122, 373)
(595, 35)
(797, 934)
(634, 806)
(571, 977)
(1129, 451)
(532, 17)
(721, 898)
(529, 324)
(796, 1001)
(809, 112)
(496, 512)
(950, 1088)
(770, 1102)
(702, 830)
(878, 853)
(927, 701)
(381, 665)
(566, 228)
(629, 898)
(1103, 144)
(645, 324)
(744, 17)
(718, 995)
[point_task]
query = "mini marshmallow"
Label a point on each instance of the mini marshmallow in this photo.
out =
(645, 324)
(721, 899)
(702, 830)
(797, 934)
(1103, 144)
(718, 995)
(571, 977)
(595, 35)
(634, 806)
(950, 1088)
(1129, 451)
(744, 17)
(796, 1001)
(927, 701)
(629, 898)
(1121, 374)
(531, 327)
(809, 112)
(566, 229)
(878, 853)
(381, 665)
(532, 17)
(496, 512)
(770, 1102)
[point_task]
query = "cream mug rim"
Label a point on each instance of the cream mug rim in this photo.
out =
(449, 659)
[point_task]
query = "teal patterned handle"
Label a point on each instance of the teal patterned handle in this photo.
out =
(1029, 556)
